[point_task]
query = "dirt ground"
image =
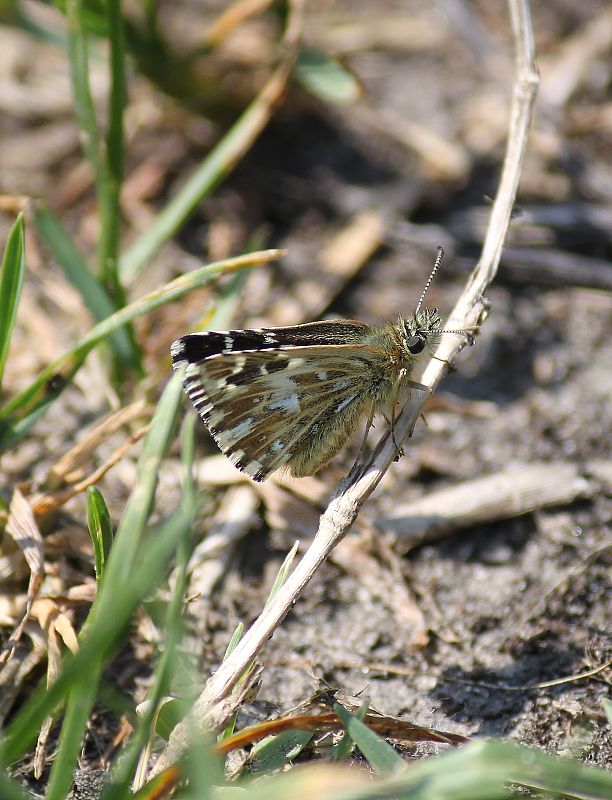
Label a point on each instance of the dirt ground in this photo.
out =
(459, 632)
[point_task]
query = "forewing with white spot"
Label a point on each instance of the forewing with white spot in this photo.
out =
(263, 406)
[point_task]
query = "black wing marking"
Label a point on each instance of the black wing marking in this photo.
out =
(197, 346)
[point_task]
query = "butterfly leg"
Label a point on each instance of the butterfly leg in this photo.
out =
(358, 462)
(469, 338)
(406, 384)
(398, 450)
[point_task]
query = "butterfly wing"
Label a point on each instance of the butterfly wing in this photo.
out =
(197, 346)
(283, 405)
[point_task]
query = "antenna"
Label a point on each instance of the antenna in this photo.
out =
(436, 266)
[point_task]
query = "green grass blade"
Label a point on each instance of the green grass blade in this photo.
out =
(170, 713)
(106, 161)
(110, 184)
(276, 752)
(483, 770)
(75, 268)
(207, 177)
(486, 770)
(80, 701)
(79, 73)
(234, 639)
(152, 790)
(203, 768)
(11, 284)
(379, 754)
(188, 445)
(16, 15)
(123, 773)
(103, 635)
(9, 790)
(132, 528)
(123, 587)
(19, 414)
(43, 394)
(100, 529)
(282, 574)
(231, 646)
(165, 671)
(326, 78)
(342, 750)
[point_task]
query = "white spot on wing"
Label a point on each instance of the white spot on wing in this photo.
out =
(216, 418)
(345, 402)
(238, 431)
(322, 375)
(229, 342)
(282, 384)
(244, 427)
(239, 366)
(270, 338)
(289, 404)
(342, 383)
(277, 446)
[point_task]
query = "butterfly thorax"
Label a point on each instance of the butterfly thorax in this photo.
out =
(403, 349)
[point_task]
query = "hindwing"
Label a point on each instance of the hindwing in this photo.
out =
(269, 408)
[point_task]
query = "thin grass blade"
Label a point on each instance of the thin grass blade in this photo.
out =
(109, 195)
(11, 284)
(9, 790)
(100, 529)
(276, 752)
(166, 670)
(342, 750)
(380, 755)
(95, 297)
(78, 709)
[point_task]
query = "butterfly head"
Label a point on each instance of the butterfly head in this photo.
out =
(421, 331)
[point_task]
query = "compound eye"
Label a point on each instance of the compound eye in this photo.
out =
(416, 344)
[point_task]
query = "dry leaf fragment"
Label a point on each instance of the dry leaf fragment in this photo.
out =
(24, 531)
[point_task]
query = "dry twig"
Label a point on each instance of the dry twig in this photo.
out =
(502, 495)
(353, 492)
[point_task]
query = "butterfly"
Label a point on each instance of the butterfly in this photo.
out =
(291, 397)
